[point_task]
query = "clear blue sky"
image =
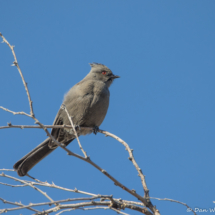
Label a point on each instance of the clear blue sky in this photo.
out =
(163, 105)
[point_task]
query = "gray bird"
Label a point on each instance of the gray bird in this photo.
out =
(87, 102)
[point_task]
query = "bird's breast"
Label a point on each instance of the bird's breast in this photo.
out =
(97, 109)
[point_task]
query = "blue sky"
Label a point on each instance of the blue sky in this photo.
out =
(162, 106)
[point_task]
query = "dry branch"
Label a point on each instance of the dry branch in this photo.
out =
(73, 127)
(20, 72)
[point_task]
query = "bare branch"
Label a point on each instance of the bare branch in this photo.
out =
(72, 124)
(63, 211)
(29, 184)
(12, 170)
(45, 184)
(81, 205)
(43, 203)
(34, 126)
(20, 72)
(93, 208)
(172, 200)
(145, 201)
(14, 203)
(11, 185)
(131, 158)
(118, 211)
(15, 113)
(116, 182)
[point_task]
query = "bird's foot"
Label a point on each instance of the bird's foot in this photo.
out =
(77, 127)
(95, 129)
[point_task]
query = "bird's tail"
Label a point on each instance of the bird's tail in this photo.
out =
(32, 158)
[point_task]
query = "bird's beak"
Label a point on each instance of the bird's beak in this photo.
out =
(115, 76)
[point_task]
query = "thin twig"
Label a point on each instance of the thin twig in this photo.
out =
(29, 184)
(116, 182)
(34, 126)
(131, 158)
(46, 203)
(130, 151)
(11, 170)
(81, 205)
(20, 72)
(72, 124)
(14, 203)
(123, 203)
(46, 184)
(172, 200)
(118, 211)
(15, 113)
(16, 185)
(92, 208)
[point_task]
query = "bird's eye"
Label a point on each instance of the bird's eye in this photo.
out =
(104, 72)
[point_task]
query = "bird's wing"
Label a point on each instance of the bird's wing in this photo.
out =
(61, 134)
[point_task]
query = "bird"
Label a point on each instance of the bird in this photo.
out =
(87, 103)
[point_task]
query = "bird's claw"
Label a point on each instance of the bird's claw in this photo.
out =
(95, 130)
(77, 127)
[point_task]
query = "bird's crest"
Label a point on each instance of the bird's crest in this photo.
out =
(96, 64)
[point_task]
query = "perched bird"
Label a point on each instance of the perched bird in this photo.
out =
(87, 102)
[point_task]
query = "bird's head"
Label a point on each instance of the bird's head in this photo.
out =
(102, 73)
